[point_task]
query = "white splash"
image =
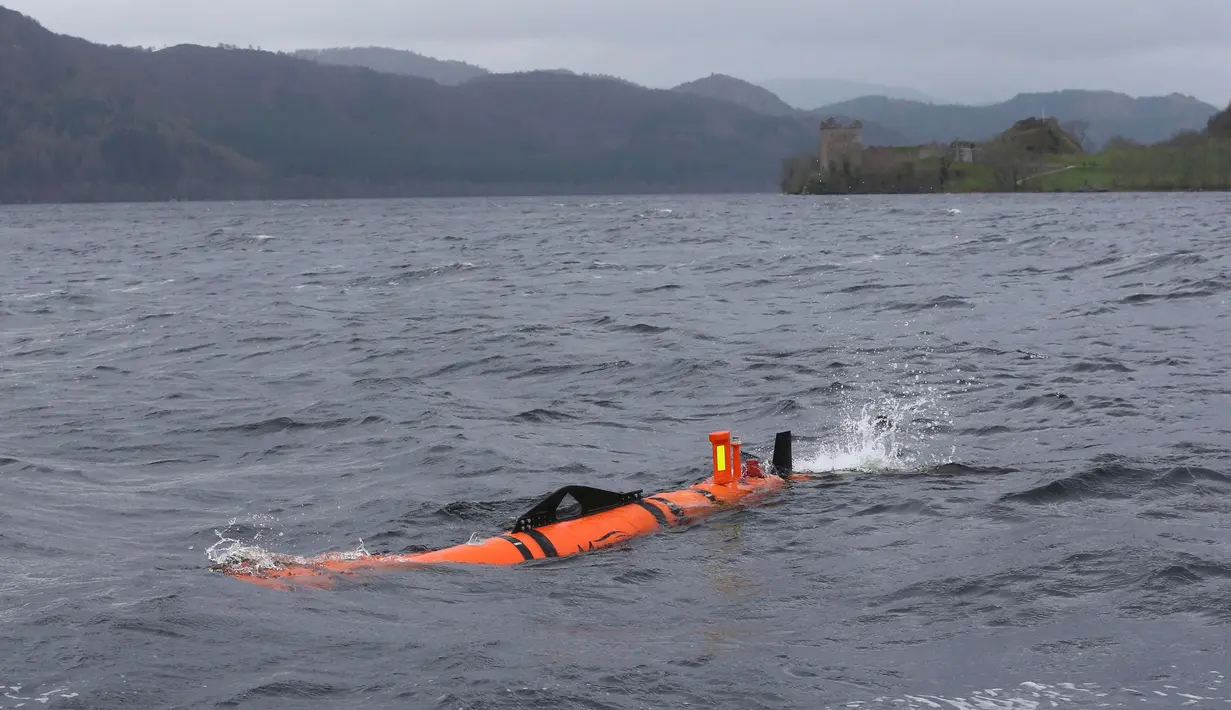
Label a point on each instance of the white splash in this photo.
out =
(874, 436)
(232, 552)
(229, 552)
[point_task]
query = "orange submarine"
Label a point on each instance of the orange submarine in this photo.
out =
(604, 519)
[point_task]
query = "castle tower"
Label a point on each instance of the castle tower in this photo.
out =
(841, 146)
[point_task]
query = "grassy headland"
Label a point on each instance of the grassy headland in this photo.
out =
(1204, 165)
(1032, 156)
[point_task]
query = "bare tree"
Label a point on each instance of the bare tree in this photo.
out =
(1006, 164)
(1080, 130)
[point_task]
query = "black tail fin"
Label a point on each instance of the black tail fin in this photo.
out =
(782, 454)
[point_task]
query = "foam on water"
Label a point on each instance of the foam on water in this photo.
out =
(1031, 695)
(16, 696)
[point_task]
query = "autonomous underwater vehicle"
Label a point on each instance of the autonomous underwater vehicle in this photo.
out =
(604, 519)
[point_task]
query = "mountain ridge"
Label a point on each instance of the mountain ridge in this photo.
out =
(902, 115)
(81, 121)
(396, 61)
(739, 91)
(1099, 115)
(1109, 114)
(811, 93)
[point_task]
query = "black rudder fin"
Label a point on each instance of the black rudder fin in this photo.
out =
(782, 462)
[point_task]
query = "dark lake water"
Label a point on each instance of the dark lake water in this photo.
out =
(1047, 525)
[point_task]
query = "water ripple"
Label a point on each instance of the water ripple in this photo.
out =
(1013, 408)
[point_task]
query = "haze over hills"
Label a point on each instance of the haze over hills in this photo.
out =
(812, 93)
(396, 61)
(82, 121)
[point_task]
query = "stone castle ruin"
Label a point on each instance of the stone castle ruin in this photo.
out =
(1004, 161)
(843, 152)
(841, 147)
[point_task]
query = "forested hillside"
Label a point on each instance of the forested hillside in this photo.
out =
(81, 121)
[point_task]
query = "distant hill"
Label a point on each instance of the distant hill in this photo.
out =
(738, 91)
(81, 121)
(1035, 137)
(809, 94)
(396, 61)
(729, 89)
(1106, 113)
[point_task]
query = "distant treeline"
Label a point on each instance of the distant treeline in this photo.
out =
(1188, 162)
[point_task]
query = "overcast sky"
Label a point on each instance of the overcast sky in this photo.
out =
(954, 49)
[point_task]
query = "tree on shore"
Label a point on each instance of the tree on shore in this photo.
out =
(1220, 124)
(1080, 131)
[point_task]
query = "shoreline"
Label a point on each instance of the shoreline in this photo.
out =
(1053, 191)
(318, 201)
